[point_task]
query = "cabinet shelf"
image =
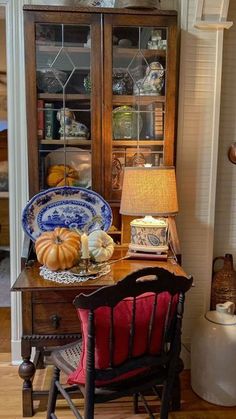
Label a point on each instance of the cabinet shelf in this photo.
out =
(134, 51)
(60, 96)
(116, 50)
(135, 143)
(56, 48)
(141, 100)
(4, 194)
(117, 99)
(67, 142)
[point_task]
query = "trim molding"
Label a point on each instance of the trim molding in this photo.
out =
(214, 154)
(206, 25)
(219, 21)
(17, 153)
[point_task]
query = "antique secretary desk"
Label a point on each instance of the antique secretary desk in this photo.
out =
(101, 95)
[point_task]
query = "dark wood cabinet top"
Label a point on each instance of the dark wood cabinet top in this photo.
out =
(106, 10)
(30, 279)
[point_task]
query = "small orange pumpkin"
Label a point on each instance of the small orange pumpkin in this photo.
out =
(58, 249)
(60, 175)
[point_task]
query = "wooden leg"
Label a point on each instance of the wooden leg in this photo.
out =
(39, 359)
(176, 394)
(53, 392)
(165, 402)
(176, 391)
(171, 391)
(26, 372)
(135, 402)
(146, 407)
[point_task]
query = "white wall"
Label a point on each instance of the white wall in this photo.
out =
(225, 226)
(197, 148)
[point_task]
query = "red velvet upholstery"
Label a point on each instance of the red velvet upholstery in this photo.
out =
(122, 319)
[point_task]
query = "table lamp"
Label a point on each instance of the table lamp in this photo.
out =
(148, 192)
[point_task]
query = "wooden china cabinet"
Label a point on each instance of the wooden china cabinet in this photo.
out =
(101, 95)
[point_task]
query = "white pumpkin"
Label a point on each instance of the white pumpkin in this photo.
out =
(101, 245)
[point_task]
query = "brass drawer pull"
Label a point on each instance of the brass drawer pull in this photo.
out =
(55, 320)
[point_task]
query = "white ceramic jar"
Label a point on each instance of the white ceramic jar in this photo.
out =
(213, 356)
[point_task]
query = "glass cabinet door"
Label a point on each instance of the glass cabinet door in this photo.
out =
(138, 102)
(68, 131)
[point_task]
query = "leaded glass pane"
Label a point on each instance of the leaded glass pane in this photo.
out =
(63, 56)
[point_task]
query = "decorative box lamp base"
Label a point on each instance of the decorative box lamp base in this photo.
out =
(149, 235)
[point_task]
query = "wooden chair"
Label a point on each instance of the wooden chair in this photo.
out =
(131, 342)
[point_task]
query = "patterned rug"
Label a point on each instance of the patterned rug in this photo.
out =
(5, 300)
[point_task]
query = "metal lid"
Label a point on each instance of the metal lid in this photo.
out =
(224, 314)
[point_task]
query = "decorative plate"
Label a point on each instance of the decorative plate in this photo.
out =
(77, 158)
(66, 206)
(127, 123)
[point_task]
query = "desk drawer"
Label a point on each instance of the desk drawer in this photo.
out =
(59, 296)
(55, 318)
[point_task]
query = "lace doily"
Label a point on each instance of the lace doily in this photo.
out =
(67, 277)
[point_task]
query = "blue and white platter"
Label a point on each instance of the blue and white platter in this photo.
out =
(66, 206)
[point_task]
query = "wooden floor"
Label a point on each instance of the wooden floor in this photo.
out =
(5, 330)
(192, 407)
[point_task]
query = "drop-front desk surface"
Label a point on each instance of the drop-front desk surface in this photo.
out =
(49, 317)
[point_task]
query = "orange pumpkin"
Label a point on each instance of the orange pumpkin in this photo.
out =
(58, 249)
(60, 175)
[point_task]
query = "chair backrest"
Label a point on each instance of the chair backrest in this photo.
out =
(132, 325)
